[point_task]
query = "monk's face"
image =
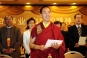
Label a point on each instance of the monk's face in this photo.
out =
(46, 14)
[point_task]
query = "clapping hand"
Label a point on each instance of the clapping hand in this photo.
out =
(6, 51)
(11, 50)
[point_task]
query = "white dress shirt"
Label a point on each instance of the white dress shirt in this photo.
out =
(78, 25)
(26, 40)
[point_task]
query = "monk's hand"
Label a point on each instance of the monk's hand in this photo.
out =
(42, 47)
(55, 45)
(76, 45)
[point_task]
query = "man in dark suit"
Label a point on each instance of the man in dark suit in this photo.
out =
(74, 34)
(10, 38)
(64, 33)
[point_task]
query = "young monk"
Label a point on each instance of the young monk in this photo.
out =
(41, 33)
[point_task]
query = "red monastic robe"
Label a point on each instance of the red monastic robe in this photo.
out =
(51, 32)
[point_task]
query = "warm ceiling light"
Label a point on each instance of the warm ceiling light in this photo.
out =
(0, 2)
(73, 7)
(27, 6)
(74, 3)
(28, 3)
(54, 3)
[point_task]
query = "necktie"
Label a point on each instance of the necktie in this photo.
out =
(79, 30)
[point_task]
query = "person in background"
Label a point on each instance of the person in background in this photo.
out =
(41, 33)
(26, 36)
(10, 38)
(63, 26)
(64, 33)
(75, 32)
(57, 23)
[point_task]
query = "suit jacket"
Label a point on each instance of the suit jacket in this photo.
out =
(65, 35)
(73, 35)
(26, 40)
(15, 40)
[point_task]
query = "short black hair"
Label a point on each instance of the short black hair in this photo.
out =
(76, 15)
(6, 17)
(57, 22)
(43, 7)
(30, 19)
